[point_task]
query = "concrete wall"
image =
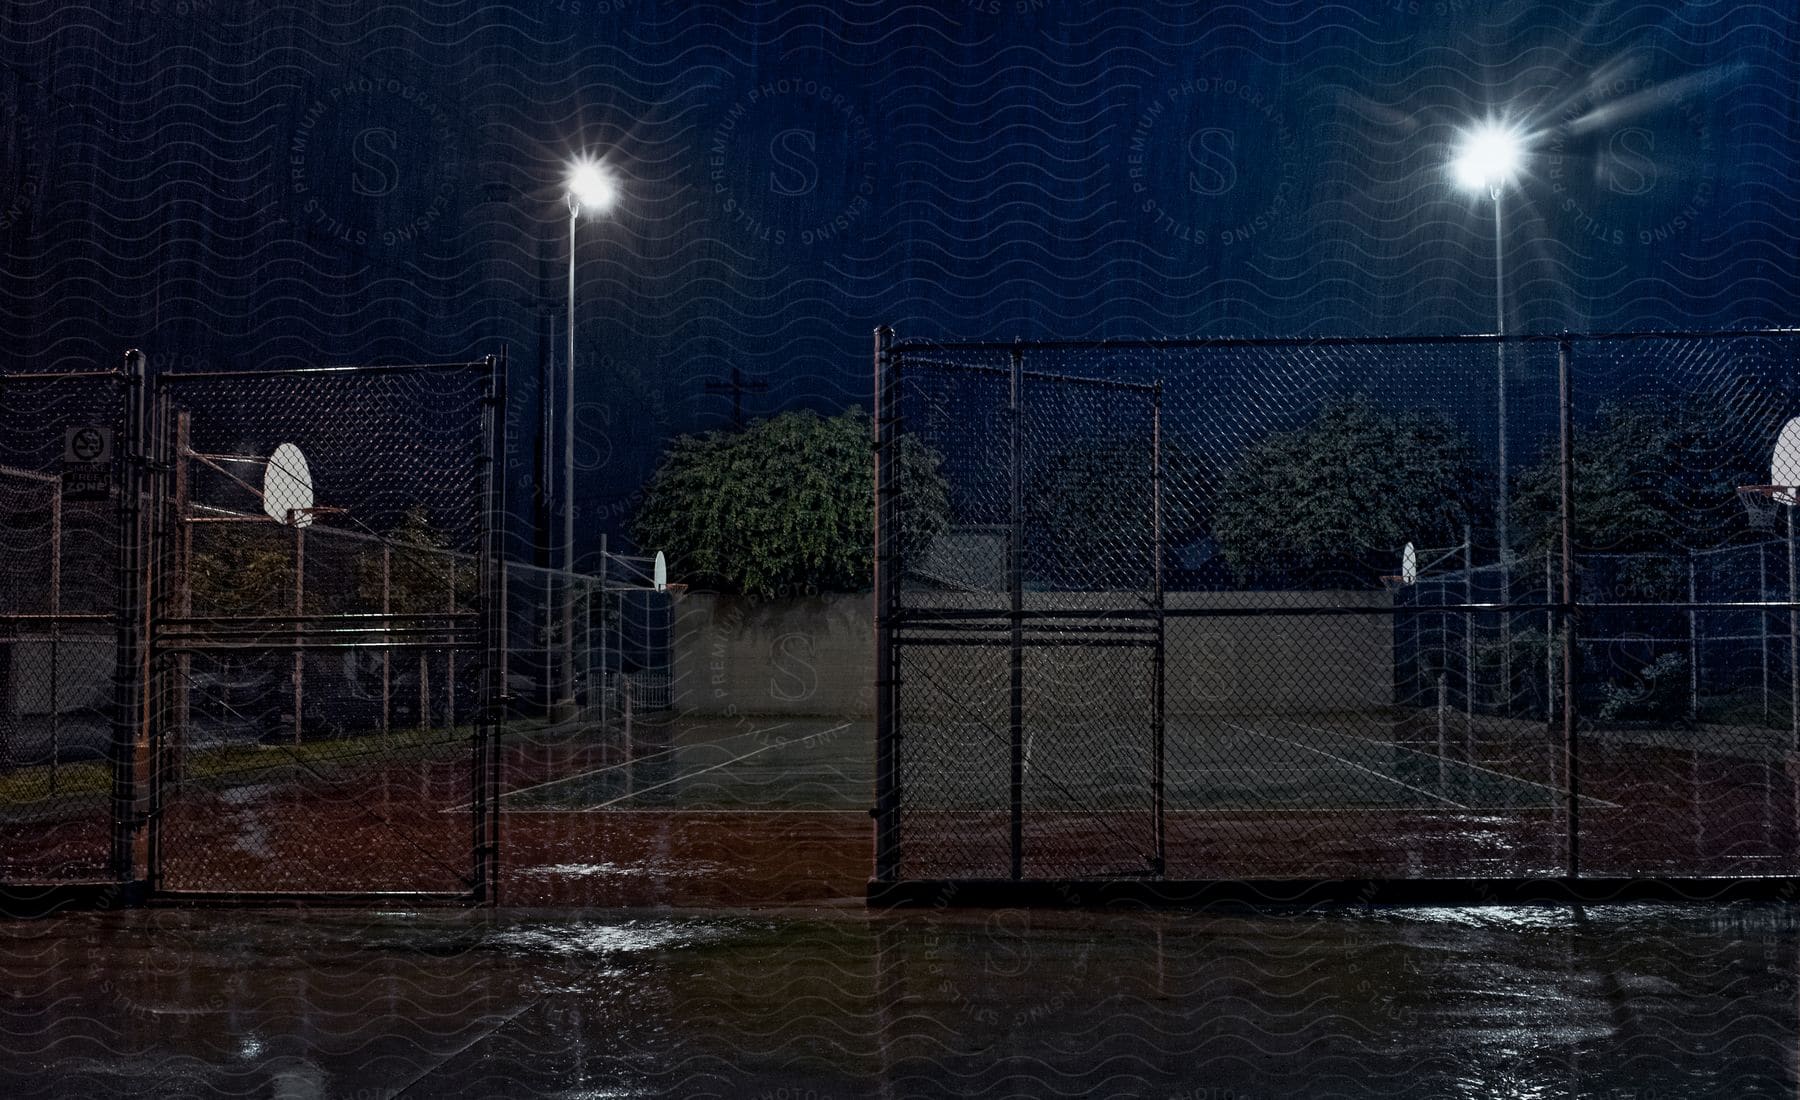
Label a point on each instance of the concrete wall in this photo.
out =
(811, 655)
(815, 655)
(1279, 664)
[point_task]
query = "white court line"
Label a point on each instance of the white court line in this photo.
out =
(853, 811)
(721, 764)
(504, 795)
(863, 812)
(1351, 763)
(1463, 764)
(638, 760)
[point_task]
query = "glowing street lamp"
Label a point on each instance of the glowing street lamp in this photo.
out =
(590, 188)
(1487, 158)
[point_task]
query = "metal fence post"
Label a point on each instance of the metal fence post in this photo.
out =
(56, 555)
(584, 699)
(1762, 621)
(886, 598)
(503, 612)
(299, 629)
(387, 667)
(1159, 658)
(1468, 548)
(1693, 625)
(1566, 447)
(1015, 586)
(128, 638)
(152, 748)
(490, 720)
(450, 650)
(183, 587)
(1793, 640)
(605, 682)
(1549, 639)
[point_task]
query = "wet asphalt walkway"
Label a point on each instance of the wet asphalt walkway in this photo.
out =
(1611, 1001)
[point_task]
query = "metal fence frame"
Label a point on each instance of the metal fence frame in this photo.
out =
(1562, 608)
(142, 463)
(100, 884)
(621, 646)
(479, 631)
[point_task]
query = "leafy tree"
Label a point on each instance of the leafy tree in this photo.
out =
(239, 569)
(1344, 493)
(784, 505)
(1649, 475)
(242, 569)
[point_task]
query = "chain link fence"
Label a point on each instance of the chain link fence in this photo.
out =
(1463, 608)
(588, 647)
(321, 630)
(256, 640)
(62, 530)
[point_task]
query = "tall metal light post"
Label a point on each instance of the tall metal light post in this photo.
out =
(1487, 158)
(591, 189)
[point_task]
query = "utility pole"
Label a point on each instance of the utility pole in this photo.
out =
(737, 386)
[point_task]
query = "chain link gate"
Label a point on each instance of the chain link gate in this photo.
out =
(324, 631)
(67, 633)
(1022, 632)
(1424, 616)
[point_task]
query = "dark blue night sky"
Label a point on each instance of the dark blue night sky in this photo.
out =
(234, 184)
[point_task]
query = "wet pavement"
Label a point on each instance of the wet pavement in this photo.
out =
(1608, 1001)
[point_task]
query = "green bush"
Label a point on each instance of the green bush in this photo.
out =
(784, 506)
(1657, 692)
(1344, 494)
(1651, 474)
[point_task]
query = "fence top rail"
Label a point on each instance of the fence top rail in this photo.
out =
(9, 377)
(1034, 375)
(478, 365)
(921, 344)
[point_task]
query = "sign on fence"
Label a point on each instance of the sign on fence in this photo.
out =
(87, 463)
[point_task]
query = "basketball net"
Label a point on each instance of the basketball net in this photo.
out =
(1763, 503)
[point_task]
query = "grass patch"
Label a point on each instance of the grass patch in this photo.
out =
(93, 778)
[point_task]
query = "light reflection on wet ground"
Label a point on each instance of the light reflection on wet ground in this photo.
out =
(1610, 1001)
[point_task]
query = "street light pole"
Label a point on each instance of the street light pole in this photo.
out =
(568, 478)
(590, 188)
(1502, 528)
(1487, 159)
(1501, 518)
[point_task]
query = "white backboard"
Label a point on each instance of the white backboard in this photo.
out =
(287, 485)
(1784, 464)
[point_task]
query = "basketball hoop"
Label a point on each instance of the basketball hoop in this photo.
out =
(1409, 570)
(674, 589)
(1763, 502)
